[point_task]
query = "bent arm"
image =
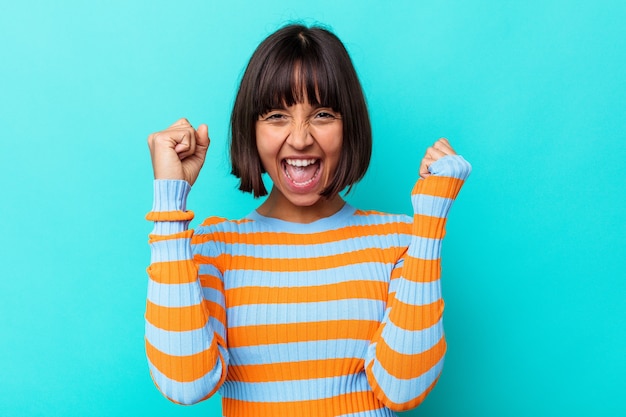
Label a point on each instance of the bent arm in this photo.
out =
(406, 357)
(187, 356)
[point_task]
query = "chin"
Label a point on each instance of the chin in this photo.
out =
(306, 200)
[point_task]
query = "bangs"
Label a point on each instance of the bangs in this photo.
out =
(296, 74)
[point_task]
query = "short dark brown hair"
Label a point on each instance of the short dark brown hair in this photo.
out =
(292, 65)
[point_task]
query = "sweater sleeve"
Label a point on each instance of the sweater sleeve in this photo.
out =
(406, 356)
(185, 343)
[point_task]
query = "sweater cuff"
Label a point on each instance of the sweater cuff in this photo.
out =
(454, 166)
(170, 195)
(169, 207)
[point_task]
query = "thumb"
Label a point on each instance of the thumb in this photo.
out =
(202, 141)
(202, 136)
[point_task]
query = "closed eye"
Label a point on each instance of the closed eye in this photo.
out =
(325, 116)
(327, 113)
(274, 116)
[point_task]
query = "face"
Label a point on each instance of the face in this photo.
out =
(299, 148)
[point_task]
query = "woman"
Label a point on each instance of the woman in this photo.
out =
(307, 306)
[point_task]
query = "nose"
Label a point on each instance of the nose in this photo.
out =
(300, 137)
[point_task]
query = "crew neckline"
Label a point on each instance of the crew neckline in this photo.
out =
(326, 223)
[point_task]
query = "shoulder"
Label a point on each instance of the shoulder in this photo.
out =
(219, 225)
(399, 223)
(218, 229)
(214, 223)
(216, 236)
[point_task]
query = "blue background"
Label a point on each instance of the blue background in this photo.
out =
(533, 93)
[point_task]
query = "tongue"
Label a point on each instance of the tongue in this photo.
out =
(301, 174)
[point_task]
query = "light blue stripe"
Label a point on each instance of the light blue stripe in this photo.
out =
(429, 205)
(217, 325)
(209, 269)
(299, 351)
(187, 392)
(375, 218)
(174, 295)
(171, 250)
(404, 390)
(295, 390)
(425, 248)
(374, 271)
(169, 228)
(393, 285)
(410, 342)
(418, 293)
(179, 343)
(213, 295)
(260, 314)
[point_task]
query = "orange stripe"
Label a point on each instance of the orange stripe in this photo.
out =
(359, 212)
(173, 272)
(327, 407)
(211, 281)
(429, 226)
(396, 273)
(396, 406)
(303, 264)
(177, 319)
(182, 235)
(438, 186)
(404, 366)
(411, 317)
(209, 221)
(291, 371)
(421, 270)
(301, 332)
(371, 290)
(216, 311)
(169, 216)
(269, 238)
(183, 368)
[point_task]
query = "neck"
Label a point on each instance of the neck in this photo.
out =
(280, 208)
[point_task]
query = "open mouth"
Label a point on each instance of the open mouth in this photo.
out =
(301, 172)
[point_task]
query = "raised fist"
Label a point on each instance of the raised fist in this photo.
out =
(178, 152)
(439, 149)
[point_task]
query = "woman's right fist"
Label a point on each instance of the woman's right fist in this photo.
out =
(178, 152)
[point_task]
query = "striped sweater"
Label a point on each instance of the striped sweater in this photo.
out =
(339, 317)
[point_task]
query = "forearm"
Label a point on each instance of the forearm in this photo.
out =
(186, 356)
(407, 356)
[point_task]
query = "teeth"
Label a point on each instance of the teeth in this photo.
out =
(300, 162)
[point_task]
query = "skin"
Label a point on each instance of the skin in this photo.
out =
(300, 132)
(178, 153)
(438, 150)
